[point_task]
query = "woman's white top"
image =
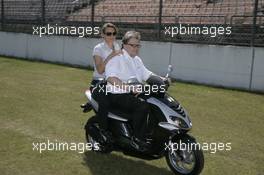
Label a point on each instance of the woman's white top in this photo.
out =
(102, 50)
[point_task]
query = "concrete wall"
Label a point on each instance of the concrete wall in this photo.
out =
(227, 66)
(258, 71)
(217, 65)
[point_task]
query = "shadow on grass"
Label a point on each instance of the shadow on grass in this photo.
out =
(101, 164)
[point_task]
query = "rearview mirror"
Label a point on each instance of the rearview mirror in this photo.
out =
(170, 69)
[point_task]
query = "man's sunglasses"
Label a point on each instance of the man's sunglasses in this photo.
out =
(135, 45)
(110, 33)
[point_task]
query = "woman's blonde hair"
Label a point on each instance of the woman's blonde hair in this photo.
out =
(108, 25)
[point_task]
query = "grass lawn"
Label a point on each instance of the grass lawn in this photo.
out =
(40, 102)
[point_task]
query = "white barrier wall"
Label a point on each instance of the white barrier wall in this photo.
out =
(46, 48)
(156, 56)
(258, 71)
(13, 44)
(227, 66)
(209, 64)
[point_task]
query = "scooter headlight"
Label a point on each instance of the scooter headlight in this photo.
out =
(180, 123)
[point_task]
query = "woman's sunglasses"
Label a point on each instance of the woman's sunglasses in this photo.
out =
(110, 33)
(134, 45)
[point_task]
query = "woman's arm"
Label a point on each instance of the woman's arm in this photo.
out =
(99, 64)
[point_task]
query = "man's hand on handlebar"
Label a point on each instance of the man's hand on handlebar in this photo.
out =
(137, 89)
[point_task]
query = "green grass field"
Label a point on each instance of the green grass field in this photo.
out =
(40, 102)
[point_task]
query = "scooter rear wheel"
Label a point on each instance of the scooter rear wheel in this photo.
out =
(96, 145)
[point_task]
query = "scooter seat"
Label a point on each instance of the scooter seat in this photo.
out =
(113, 113)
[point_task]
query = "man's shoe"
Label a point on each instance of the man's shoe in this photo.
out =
(139, 144)
(86, 107)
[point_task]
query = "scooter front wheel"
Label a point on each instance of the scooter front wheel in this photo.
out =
(187, 159)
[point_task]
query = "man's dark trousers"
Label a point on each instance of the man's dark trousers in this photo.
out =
(134, 106)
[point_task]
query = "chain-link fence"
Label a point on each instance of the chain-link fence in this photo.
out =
(199, 21)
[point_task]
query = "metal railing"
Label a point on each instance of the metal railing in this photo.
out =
(20, 16)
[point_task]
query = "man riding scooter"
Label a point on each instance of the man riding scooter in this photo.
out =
(120, 94)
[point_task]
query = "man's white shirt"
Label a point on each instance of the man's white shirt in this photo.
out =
(125, 67)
